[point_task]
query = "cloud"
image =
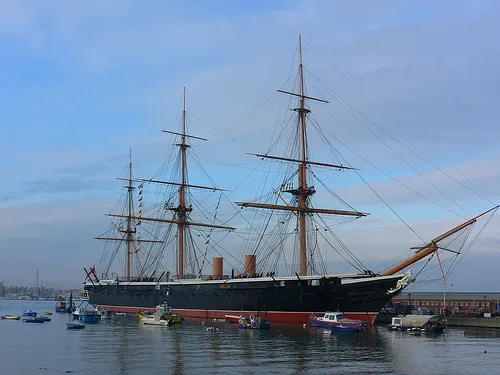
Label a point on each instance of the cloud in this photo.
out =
(83, 83)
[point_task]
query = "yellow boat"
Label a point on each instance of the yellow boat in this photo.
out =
(47, 313)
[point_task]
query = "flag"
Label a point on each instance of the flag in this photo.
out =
(140, 198)
(141, 186)
(138, 249)
(140, 192)
(138, 223)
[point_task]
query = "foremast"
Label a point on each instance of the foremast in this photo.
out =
(303, 191)
(182, 211)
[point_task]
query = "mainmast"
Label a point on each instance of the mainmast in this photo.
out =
(303, 191)
(182, 211)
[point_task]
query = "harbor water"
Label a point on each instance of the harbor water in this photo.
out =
(122, 346)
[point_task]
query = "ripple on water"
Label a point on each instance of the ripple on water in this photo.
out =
(122, 346)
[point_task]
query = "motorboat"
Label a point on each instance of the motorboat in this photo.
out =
(10, 317)
(163, 316)
(72, 325)
(336, 322)
(425, 323)
(32, 319)
(253, 322)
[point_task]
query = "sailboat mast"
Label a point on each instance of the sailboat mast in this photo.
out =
(129, 219)
(182, 195)
(302, 175)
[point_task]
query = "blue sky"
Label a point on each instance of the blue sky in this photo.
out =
(80, 84)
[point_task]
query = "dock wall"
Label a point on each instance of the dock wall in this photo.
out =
(453, 321)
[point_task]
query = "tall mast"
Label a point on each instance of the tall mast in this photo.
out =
(181, 212)
(303, 190)
(129, 219)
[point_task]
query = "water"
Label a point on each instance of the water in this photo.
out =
(122, 346)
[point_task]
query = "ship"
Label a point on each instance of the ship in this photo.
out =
(249, 288)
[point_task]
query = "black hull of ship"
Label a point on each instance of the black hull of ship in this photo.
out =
(281, 299)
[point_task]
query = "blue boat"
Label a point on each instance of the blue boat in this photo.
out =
(337, 323)
(89, 317)
(253, 322)
(33, 320)
(30, 312)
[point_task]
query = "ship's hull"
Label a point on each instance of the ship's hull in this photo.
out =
(285, 299)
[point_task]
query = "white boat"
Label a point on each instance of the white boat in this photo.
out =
(77, 313)
(163, 316)
(11, 317)
(410, 323)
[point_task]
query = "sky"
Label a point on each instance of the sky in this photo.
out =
(82, 83)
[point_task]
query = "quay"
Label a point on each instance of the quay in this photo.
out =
(461, 309)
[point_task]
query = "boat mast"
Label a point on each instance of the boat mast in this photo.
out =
(181, 210)
(432, 246)
(130, 188)
(303, 191)
(128, 234)
(181, 218)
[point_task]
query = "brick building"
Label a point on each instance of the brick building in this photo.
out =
(459, 302)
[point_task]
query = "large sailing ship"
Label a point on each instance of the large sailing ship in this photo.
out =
(247, 289)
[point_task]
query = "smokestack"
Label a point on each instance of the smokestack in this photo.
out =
(250, 261)
(218, 264)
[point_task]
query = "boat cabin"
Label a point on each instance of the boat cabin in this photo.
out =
(333, 317)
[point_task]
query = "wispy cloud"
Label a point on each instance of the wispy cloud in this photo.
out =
(81, 83)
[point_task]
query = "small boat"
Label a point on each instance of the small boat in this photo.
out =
(336, 322)
(76, 314)
(233, 318)
(11, 317)
(163, 316)
(71, 325)
(89, 317)
(45, 318)
(425, 323)
(27, 312)
(61, 306)
(253, 322)
(33, 320)
(47, 313)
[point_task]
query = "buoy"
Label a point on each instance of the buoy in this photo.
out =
(486, 351)
(304, 325)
